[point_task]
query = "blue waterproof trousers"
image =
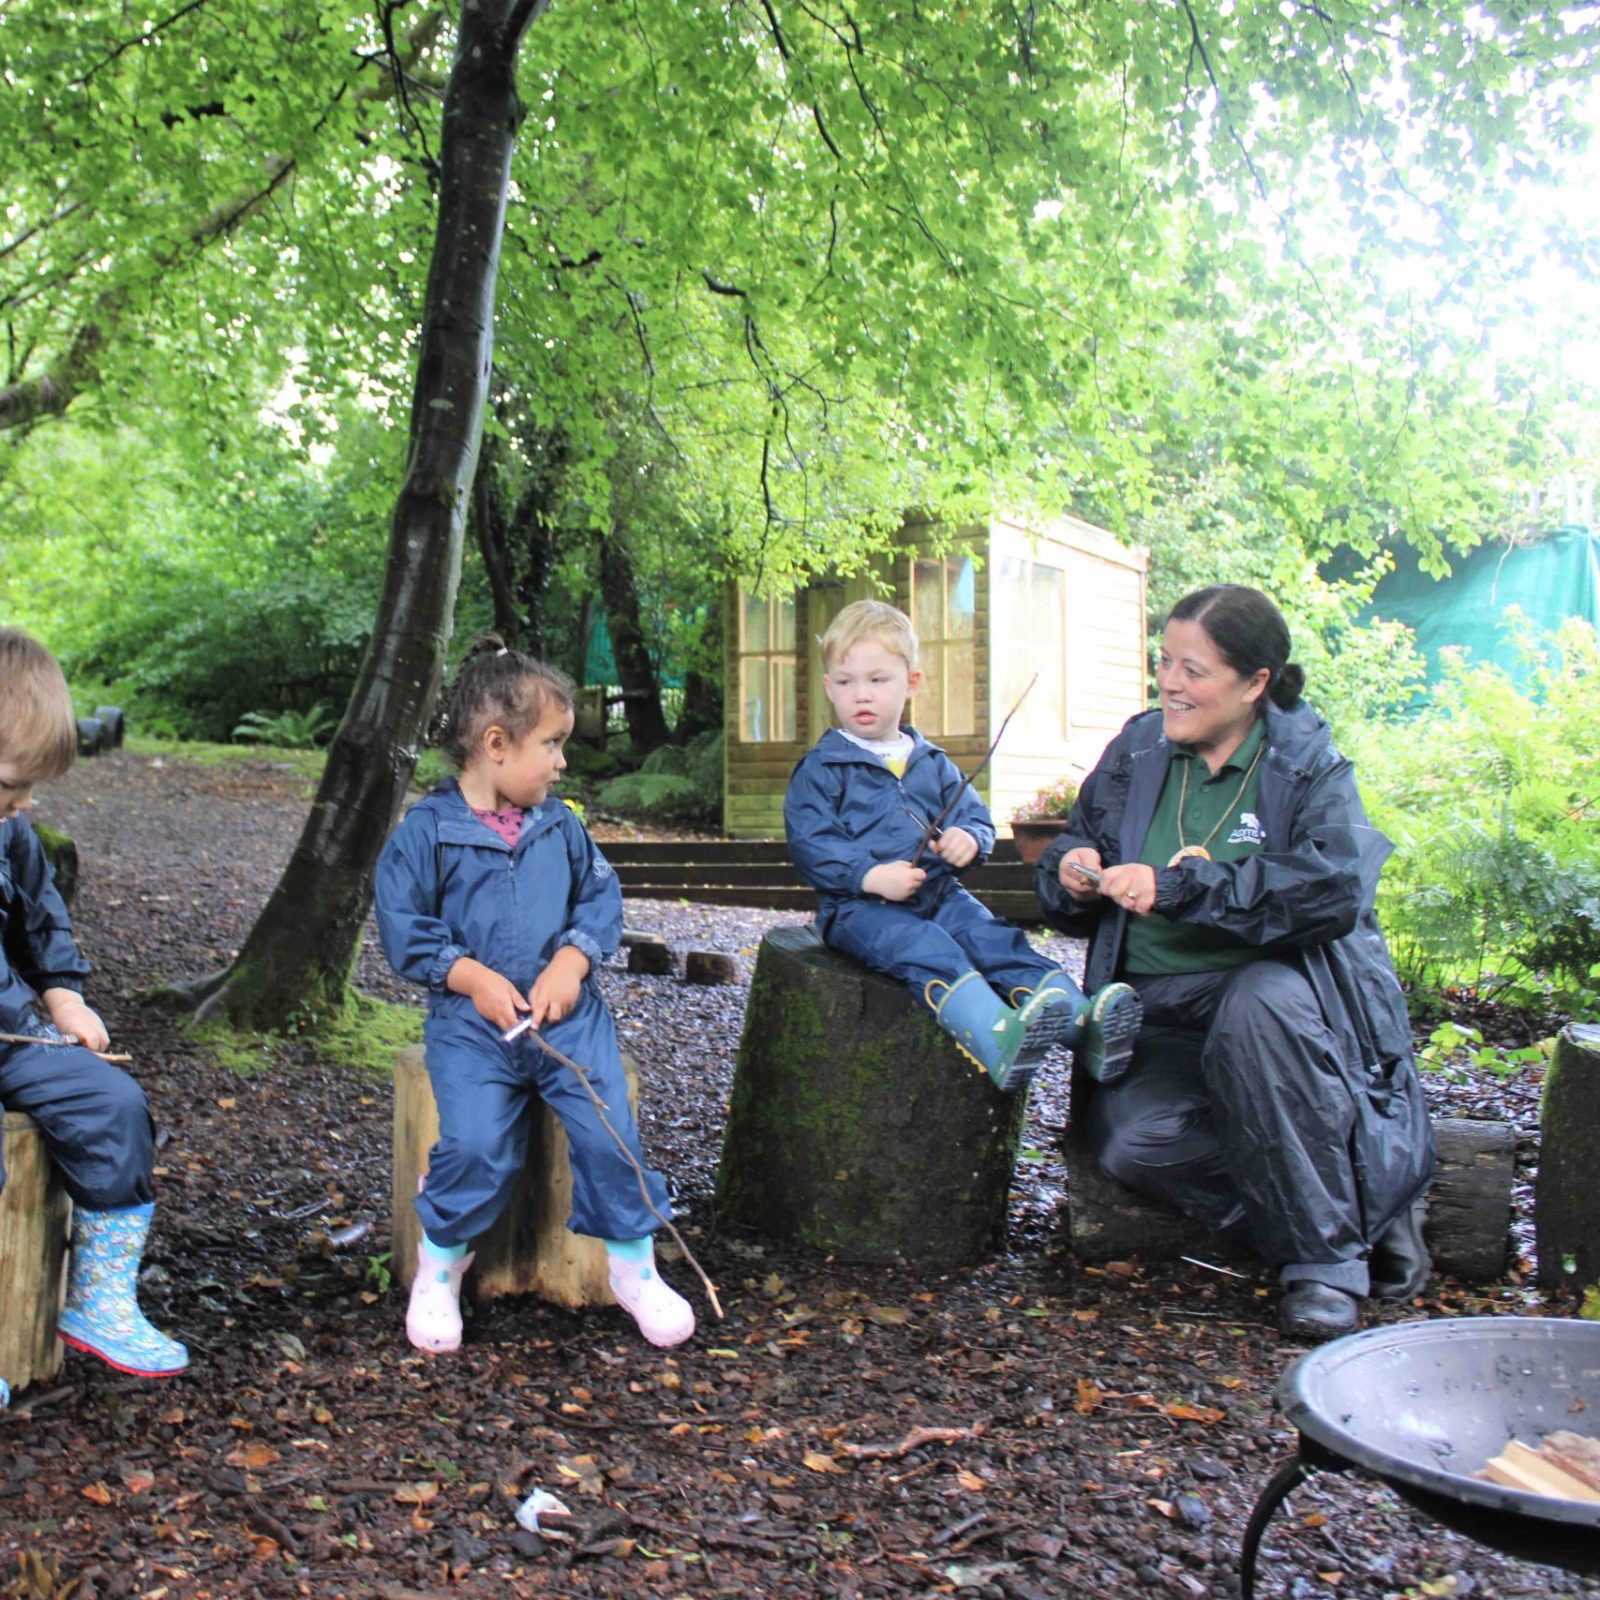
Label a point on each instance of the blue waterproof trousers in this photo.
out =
(940, 937)
(94, 1118)
(485, 1090)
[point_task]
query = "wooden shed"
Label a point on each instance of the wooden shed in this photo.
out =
(1061, 598)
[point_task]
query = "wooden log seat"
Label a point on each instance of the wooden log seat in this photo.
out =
(1566, 1210)
(856, 1126)
(35, 1226)
(1467, 1229)
(530, 1249)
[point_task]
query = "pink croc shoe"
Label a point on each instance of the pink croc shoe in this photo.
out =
(665, 1318)
(433, 1319)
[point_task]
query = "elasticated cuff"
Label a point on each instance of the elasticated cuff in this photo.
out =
(442, 963)
(585, 946)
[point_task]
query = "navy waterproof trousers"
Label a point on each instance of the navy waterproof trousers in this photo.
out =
(485, 1091)
(94, 1119)
(1236, 1112)
(936, 939)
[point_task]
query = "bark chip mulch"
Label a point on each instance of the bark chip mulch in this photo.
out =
(1031, 1428)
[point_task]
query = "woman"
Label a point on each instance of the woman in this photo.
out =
(1230, 876)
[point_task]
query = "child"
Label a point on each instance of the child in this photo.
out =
(857, 812)
(492, 894)
(93, 1116)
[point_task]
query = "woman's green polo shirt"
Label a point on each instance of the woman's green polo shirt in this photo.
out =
(1219, 806)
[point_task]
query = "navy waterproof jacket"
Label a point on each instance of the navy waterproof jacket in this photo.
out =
(39, 951)
(846, 813)
(448, 886)
(1307, 896)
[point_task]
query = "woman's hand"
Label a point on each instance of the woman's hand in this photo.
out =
(957, 848)
(1078, 886)
(1132, 886)
(893, 880)
(74, 1020)
(498, 999)
(555, 991)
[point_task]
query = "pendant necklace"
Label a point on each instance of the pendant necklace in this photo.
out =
(1199, 851)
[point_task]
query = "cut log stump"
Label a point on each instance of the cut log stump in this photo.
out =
(35, 1225)
(856, 1126)
(1467, 1228)
(652, 957)
(530, 1250)
(710, 966)
(1567, 1200)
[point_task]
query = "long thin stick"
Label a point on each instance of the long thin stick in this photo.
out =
(970, 778)
(58, 1044)
(600, 1110)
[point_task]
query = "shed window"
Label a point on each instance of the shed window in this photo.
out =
(766, 668)
(1030, 636)
(943, 609)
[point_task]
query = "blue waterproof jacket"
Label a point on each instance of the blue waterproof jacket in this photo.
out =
(846, 813)
(39, 951)
(448, 887)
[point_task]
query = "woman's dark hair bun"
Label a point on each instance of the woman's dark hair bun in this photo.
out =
(1288, 684)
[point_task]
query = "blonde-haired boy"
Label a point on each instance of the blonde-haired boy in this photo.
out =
(858, 810)
(94, 1118)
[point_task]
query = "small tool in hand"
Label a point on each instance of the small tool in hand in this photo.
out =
(1087, 873)
(518, 1029)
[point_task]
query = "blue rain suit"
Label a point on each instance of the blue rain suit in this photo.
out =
(845, 813)
(448, 886)
(93, 1116)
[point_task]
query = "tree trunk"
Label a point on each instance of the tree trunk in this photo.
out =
(490, 533)
(519, 548)
(297, 958)
(1566, 1204)
(856, 1126)
(641, 686)
(35, 1222)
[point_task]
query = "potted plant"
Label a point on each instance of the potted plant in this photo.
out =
(1037, 821)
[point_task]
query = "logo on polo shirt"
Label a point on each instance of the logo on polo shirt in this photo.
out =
(1249, 830)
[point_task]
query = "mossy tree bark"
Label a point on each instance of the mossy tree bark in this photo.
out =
(856, 1126)
(296, 960)
(1567, 1202)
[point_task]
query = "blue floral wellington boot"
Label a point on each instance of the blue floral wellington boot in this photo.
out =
(101, 1314)
(5, 1394)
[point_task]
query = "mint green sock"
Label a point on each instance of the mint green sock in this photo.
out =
(443, 1252)
(628, 1249)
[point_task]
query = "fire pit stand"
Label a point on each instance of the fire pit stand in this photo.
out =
(1423, 1405)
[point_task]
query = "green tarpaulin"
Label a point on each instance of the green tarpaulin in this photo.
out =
(1550, 579)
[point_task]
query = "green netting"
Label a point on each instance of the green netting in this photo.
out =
(1551, 579)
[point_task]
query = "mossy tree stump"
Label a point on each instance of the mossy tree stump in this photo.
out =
(1467, 1224)
(1567, 1200)
(856, 1126)
(35, 1224)
(530, 1250)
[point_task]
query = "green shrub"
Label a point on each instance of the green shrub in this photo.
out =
(1493, 799)
(670, 760)
(659, 796)
(289, 730)
(591, 761)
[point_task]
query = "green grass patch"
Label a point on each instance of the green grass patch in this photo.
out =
(365, 1036)
(201, 753)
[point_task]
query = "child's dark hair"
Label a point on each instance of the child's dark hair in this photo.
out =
(1249, 633)
(493, 685)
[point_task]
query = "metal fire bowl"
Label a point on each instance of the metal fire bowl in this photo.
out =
(1423, 1405)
